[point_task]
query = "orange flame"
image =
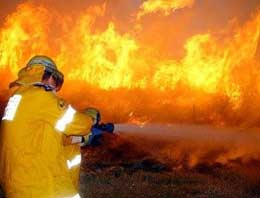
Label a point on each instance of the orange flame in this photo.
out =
(164, 6)
(110, 66)
(210, 80)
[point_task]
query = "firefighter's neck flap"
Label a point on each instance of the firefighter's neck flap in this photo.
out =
(29, 76)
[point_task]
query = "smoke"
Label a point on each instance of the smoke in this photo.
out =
(189, 145)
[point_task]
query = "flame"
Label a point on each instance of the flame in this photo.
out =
(23, 36)
(208, 83)
(106, 55)
(110, 66)
(164, 6)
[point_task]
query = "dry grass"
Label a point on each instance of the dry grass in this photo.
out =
(123, 183)
(122, 170)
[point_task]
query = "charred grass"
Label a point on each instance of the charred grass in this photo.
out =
(123, 183)
(115, 171)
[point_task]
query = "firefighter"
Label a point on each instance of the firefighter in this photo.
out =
(34, 161)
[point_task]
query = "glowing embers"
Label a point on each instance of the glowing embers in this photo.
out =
(11, 107)
(74, 162)
(66, 119)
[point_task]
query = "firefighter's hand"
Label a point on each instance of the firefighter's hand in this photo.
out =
(94, 114)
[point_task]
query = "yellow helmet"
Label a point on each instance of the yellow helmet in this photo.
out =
(42, 60)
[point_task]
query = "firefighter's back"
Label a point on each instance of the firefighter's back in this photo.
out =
(32, 163)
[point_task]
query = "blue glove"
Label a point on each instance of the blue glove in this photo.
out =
(96, 133)
(94, 137)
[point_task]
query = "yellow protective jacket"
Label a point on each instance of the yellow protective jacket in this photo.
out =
(34, 163)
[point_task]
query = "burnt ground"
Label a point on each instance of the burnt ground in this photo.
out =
(139, 183)
(121, 170)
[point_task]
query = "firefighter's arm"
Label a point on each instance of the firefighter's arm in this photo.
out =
(73, 122)
(64, 118)
(96, 132)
